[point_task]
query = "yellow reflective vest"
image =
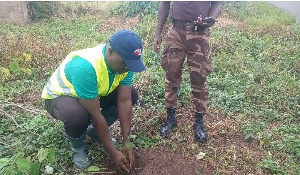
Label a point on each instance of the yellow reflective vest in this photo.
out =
(58, 84)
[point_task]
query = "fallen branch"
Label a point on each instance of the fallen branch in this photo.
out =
(32, 110)
(9, 116)
(36, 111)
(151, 119)
(112, 172)
(4, 144)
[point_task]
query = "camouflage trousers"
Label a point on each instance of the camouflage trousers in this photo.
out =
(195, 46)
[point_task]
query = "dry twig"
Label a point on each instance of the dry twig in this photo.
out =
(11, 117)
(31, 110)
(36, 111)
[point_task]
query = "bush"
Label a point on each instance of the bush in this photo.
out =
(133, 8)
(41, 9)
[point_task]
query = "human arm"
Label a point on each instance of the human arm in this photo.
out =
(215, 9)
(124, 104)
(93, 108)
(163, 13)
(214, 12)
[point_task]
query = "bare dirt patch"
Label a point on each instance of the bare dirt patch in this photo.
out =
(226, 152)
(227, 21)
(119, 23)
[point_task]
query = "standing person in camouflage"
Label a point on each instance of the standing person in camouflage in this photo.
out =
(188, 37)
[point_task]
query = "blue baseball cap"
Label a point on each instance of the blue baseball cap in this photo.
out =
(129, 46)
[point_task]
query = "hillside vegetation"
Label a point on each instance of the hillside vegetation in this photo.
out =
(255, 82)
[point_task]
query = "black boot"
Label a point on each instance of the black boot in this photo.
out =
(169, 124)
(92, 133)
(111, 115)
(200, 133)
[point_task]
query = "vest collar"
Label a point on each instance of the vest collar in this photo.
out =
(108, 69)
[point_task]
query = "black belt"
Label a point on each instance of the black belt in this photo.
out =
(186, 25)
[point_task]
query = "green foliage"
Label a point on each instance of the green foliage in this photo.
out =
(253, 128)
(273, 166)
(35, 168)
(42, 9)
(93, 169)
(18, 68)
(5, 73)
(290, 142)
(31, 154)
(141, 140)
(14, 66)
(256, 76)
(132, 8)
(258, 15)
(18, 164)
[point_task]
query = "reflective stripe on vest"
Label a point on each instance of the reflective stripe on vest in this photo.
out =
(59, 85)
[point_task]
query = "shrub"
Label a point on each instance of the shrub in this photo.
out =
(133, 8)
(41, 9)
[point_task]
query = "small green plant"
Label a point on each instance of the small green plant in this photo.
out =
(141, 140)
(18, 67)
(93, 169)
(28, 165)
(272, 165)
(198, 172)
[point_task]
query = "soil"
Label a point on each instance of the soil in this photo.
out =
(226, 152)
(119, 23)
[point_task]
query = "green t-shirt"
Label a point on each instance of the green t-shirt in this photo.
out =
(82, 75)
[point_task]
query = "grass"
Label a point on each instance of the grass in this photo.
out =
(255, 80)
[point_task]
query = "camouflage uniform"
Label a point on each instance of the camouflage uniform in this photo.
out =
(195, 45)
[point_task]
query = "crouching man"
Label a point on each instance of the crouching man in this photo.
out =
(91, 89)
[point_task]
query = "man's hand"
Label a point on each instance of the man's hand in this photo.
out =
(128, 152)
(205, 22)
(120, 160)
(157, 43)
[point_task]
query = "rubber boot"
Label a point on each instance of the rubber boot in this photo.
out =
(91, 132)
(169, 124)
(111, 115)
(199, 129)
(80, 157)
